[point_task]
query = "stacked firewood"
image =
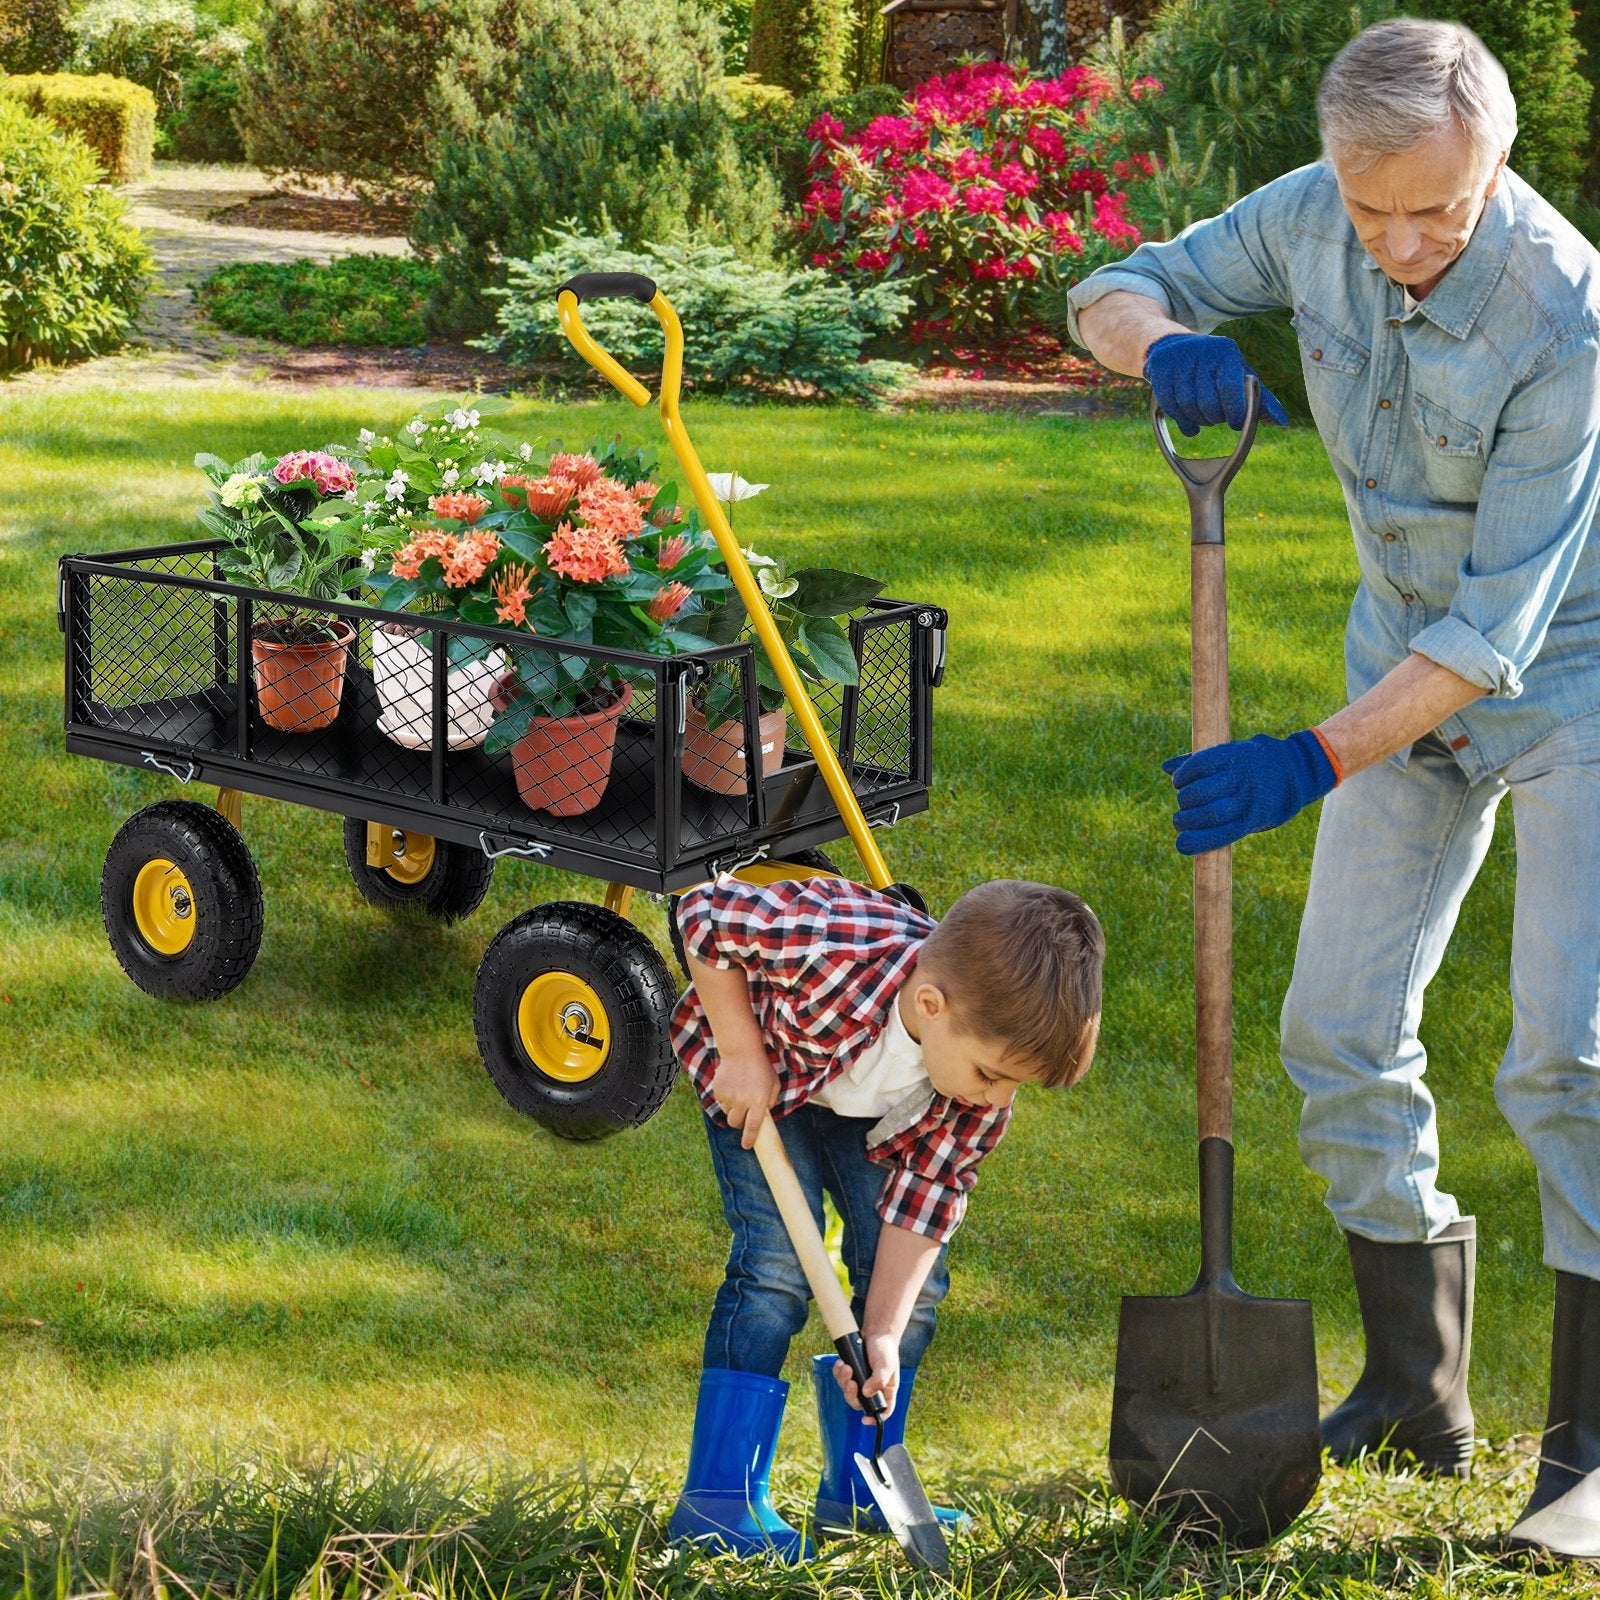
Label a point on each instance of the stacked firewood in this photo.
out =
(1087, 20)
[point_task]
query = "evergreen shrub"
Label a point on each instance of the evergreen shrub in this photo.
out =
(33, 35)
(747, 329)
(115, 118)
(800, 44)
(206, 129)
(75, 273)
(582, 148)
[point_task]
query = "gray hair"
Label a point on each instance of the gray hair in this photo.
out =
(1399, 83)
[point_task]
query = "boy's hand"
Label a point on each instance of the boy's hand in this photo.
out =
(883, 1356)
(746, 1087)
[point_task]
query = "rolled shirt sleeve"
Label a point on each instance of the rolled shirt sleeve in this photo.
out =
(1541, 490)
(934, 1165)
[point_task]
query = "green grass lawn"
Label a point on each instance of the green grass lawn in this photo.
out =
(300, 1227)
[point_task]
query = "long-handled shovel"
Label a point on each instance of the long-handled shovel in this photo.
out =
(1214, 1413)
(890, 1475)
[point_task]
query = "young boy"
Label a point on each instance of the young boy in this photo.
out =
(891, 1049)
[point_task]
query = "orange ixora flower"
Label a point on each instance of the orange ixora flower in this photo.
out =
(672, 551)
(511, 488)
(511, 592)
(668, 602)
(470, 559)
(644, 493)
(585, 555)
(460, 506)
(581, 470)
(425, 542)
(609, 507)
(548, 498)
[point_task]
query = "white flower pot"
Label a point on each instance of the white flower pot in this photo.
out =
(402, 671)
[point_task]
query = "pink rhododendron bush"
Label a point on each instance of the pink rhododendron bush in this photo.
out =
(990, 186)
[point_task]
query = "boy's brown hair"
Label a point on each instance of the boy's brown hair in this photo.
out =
(1020, 964)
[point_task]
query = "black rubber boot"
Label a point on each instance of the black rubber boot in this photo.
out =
(1563, 1516)
(1411, 1398)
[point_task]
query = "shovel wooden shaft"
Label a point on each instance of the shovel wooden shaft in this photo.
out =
(1213, 871)
(803, 1235)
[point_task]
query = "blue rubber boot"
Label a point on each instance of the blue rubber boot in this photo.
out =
(844, 1502)
(725, 1500)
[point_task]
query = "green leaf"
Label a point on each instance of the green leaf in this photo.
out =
(829, 647)
(829, 592)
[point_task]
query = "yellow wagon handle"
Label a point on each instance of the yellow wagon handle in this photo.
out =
(635, 286)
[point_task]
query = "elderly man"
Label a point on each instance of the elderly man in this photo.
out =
(1449, 325)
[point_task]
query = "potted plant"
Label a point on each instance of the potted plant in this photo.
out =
(587, 550)
(811, 609)
(290, 528)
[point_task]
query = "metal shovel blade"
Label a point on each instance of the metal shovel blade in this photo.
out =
(906, 1508)
(1214, 1410)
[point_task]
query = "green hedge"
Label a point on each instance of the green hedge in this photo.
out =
(115, 118)
(75, 272)
(359, 300)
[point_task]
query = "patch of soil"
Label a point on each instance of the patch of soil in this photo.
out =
(299, 211)
(438, 365)
(1032, 373)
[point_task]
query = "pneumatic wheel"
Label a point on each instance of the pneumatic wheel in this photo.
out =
(444, 879)
(181, 901)
(571, 1009)
(817, 860)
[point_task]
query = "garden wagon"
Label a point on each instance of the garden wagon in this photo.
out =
(571, 1000)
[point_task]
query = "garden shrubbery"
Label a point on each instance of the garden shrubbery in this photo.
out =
(358, 299)
(116, 119)
(75, 271)
(33, 35)
(584, 148)
(746, 328)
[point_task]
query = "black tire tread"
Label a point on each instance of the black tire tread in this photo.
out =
(231, 940)
(454, 889)
(627, 961)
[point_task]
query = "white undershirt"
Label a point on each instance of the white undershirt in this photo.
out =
(881, 1076)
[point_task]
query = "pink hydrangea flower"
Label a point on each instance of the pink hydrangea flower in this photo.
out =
(328, 473)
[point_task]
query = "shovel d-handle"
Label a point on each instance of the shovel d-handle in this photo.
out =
(814, 1262)
(632, 286)
(1205, 480)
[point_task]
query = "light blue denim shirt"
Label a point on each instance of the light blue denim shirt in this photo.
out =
(1465, 434)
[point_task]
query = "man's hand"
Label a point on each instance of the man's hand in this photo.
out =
(1245, 787)
(883, 1357)
(1199, 378)
(746, 1088)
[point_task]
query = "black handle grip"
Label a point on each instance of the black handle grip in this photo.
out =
(610, 286)
(1205, 478)
(854, 1355)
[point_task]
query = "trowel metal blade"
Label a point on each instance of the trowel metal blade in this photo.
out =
(906, 1508)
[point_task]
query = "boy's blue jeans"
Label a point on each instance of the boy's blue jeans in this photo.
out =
(1396, 852)
(764, 1299)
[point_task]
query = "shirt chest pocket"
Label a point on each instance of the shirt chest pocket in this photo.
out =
(1452, 452)
(1333, 364)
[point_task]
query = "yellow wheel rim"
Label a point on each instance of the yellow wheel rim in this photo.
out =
(564, 1027)
(413, 857)
(163, 907)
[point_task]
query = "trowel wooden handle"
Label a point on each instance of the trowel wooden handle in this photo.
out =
(1213, 871)
(803, 1234)
(814, 1259)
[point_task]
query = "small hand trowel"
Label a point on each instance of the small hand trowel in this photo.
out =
(889, 1473)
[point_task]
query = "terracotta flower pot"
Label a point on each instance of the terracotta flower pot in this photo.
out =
(298, 686)
(714, 757)
(402, 673)
(562, 764)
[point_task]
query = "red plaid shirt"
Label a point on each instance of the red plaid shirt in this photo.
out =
(825, 960)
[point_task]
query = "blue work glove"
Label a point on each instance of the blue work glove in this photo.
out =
(1246, 787)
(1198, 379)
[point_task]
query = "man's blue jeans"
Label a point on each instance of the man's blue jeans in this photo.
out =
(763, 1301)
(1396, 852)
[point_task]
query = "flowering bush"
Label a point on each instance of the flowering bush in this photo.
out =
(586, 548)
(988, 182)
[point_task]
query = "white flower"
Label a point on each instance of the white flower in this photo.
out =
(729, 487)
(369, 506)
(395, 488)
(463, 420)
(365, 438)
(448, 477)
(349, 495)
(758, 560)
(417, 426)
(525, 451)
(369, 558)
(774, 584)
(489, 471)
(240, 490)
